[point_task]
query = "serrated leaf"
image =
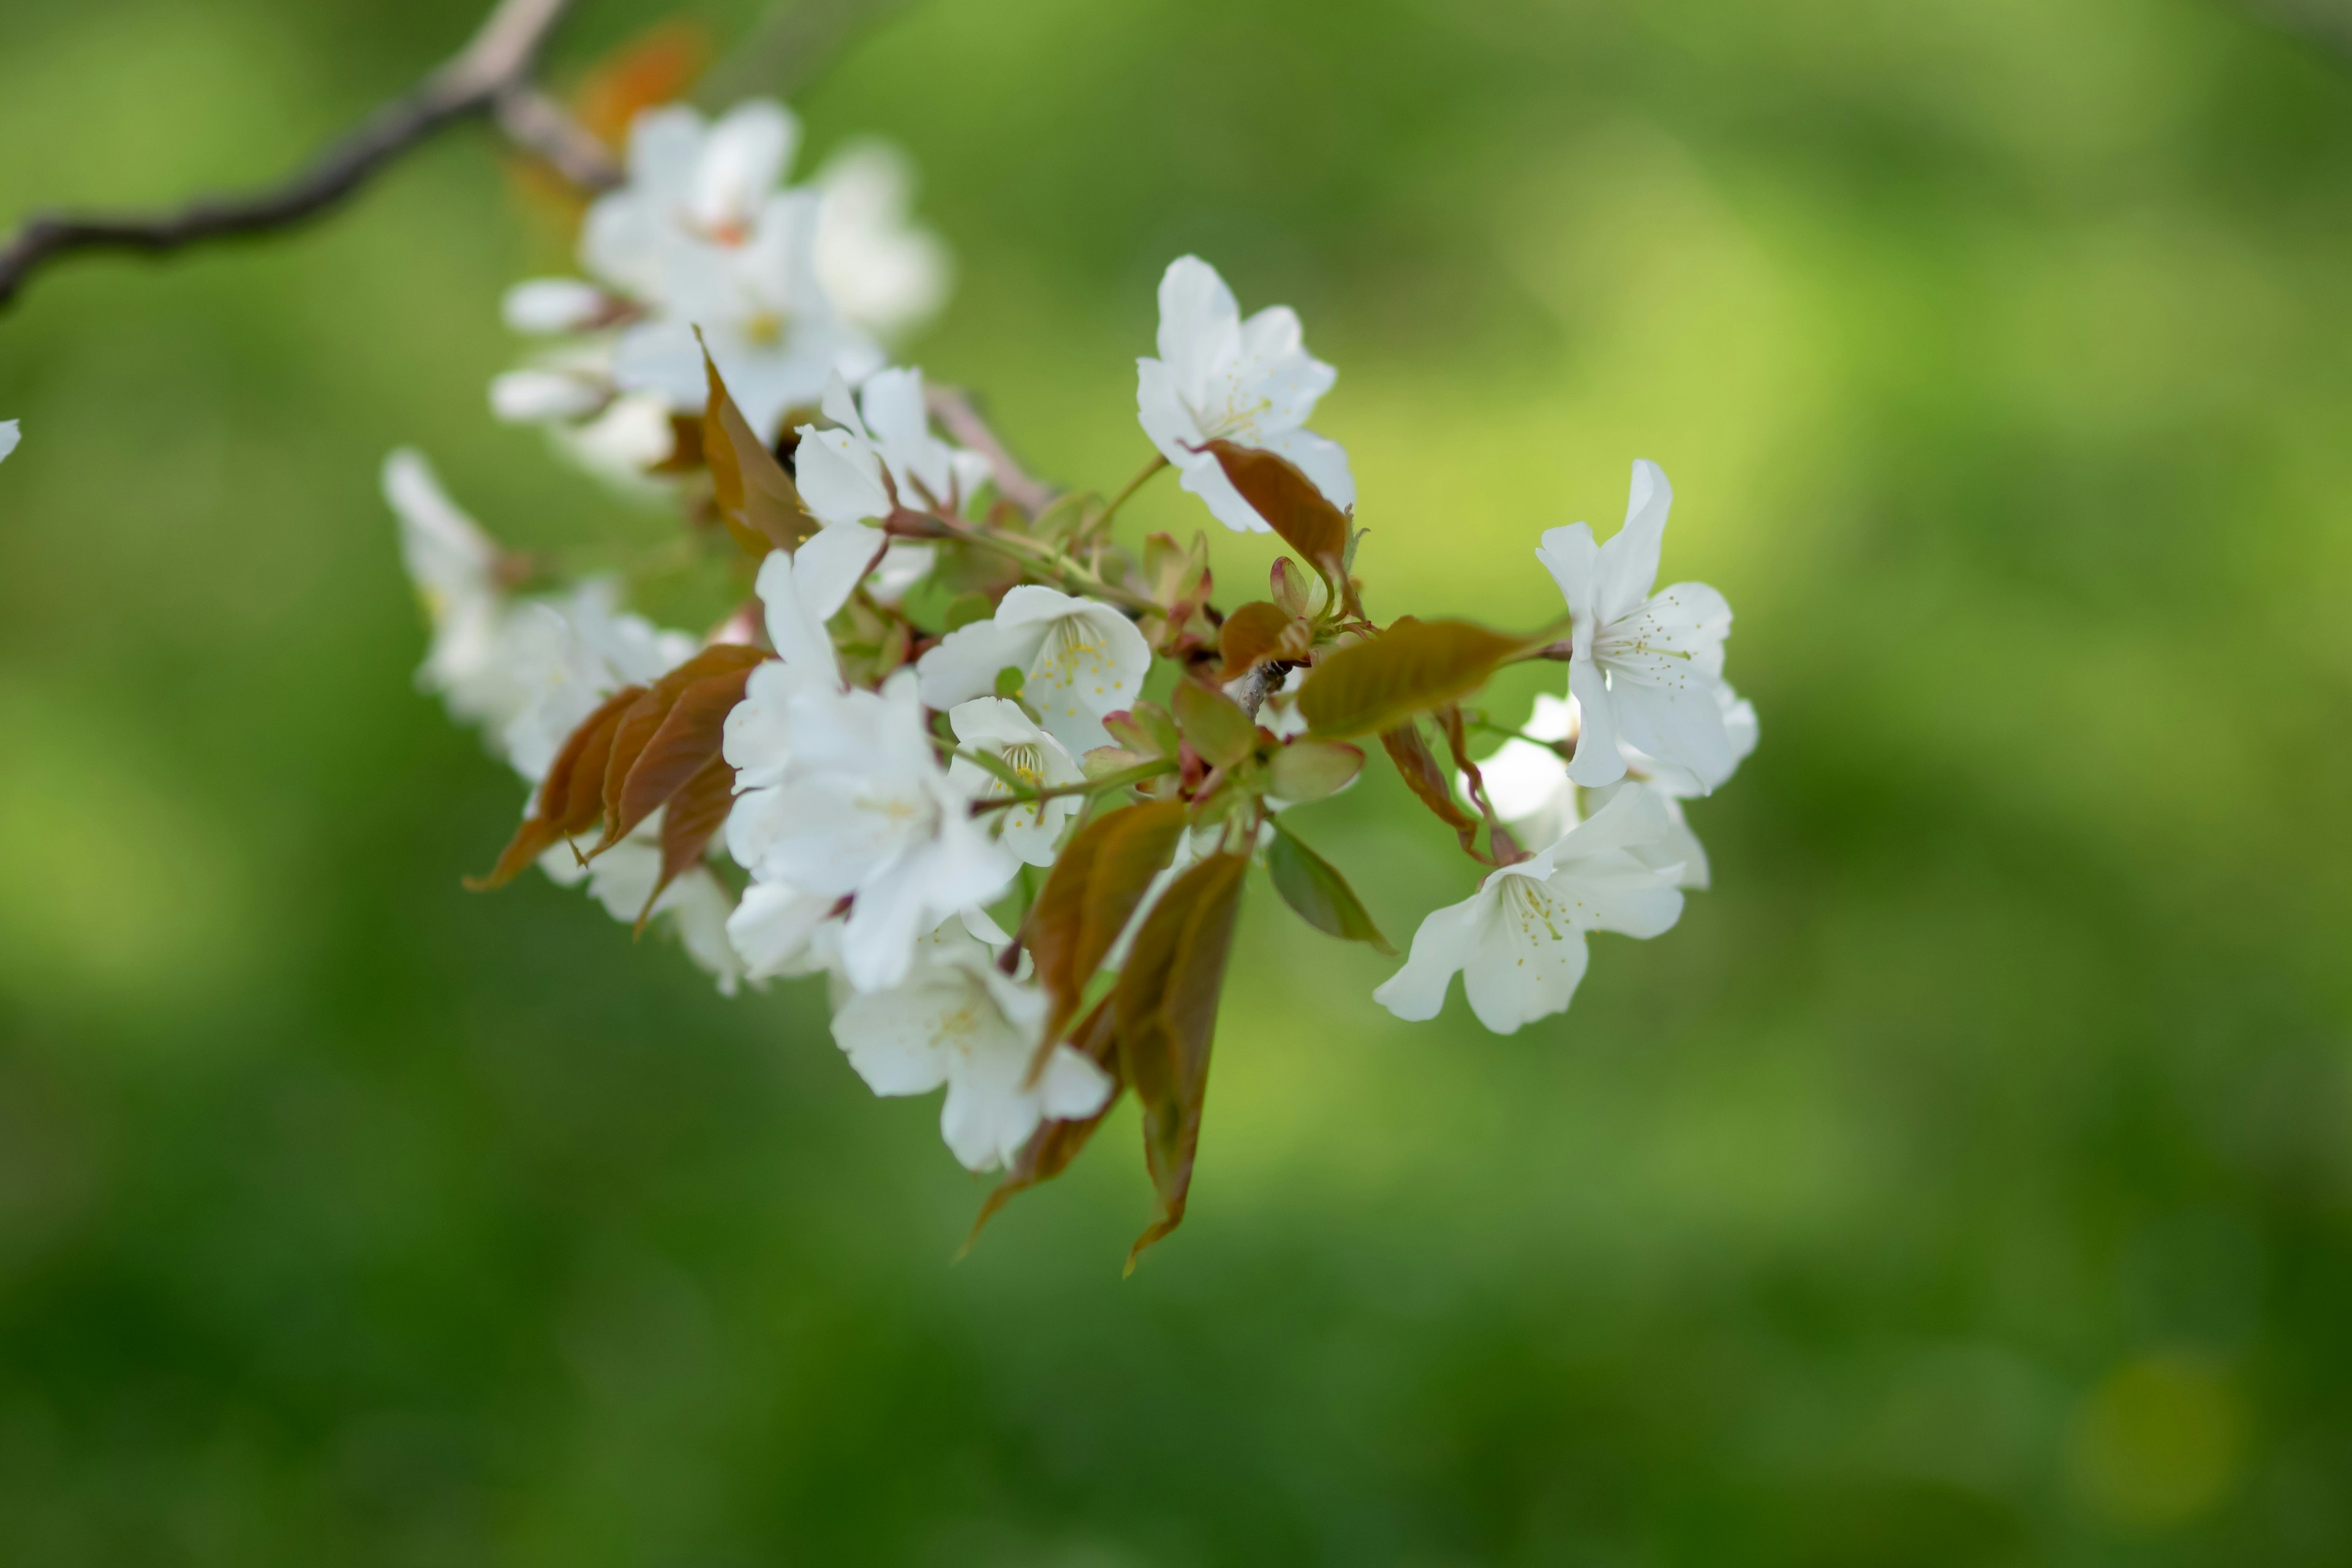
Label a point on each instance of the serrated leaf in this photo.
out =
(678, 742)
(1089, 896)
(1280, 492)
(570, 797)
(1166, 1007)
(1215, 723)
(757, 501)
(1419, 768)
(1314, 887)
(1311, 770)
(1054, 1144)
(1411, 667)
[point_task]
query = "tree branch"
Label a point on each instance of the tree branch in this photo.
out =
(952, 407)
(490, 73)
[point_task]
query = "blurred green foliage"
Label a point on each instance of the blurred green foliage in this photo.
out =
(1968, 1180)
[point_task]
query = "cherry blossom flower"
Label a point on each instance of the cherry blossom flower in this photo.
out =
(1247, 381)
(781, 931)
(1518, 941)
(10, 434)
(1644, 666)
(1528, 783)
(884, 272)
(841, 472)
(702, 237)
(453, 565)
(956, 1019)
(1079, 660)
(1030, 830)
(864, 810)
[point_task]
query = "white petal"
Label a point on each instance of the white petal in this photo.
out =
(661, 355)
(554, 305)
(1201, 474)
(1632, 816)
(1074, 1087)
(447, 556)
(965, 663)
(1574, 561)
(1597, 760)
(1199, 324)
(11, 432)
(892, 1038)
(1682, 725)
(1629, 561)
(1440, 947)
(839, 476)
(743, 159)
(773, 925)
(1554, 718)
(878, 940)
(530, 396)
(1089, 663)
(796, 632)
(1620, 892)
(827, 568)
(698, 906)
(1162, 412)
(1523, 780)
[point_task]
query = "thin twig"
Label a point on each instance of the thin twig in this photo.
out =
(494, 65)
(952, 407)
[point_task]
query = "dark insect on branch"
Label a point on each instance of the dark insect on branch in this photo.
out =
(489, 76)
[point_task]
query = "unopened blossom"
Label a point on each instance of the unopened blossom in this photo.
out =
(882, 270)
(865, 811)
(1219, 376)
(1518, 941)
(882, 443)
(10, 434)
(1644, 668)
(702, 237)
(695, 907)
(999, 729)
(957, 1019)
(1079, 659)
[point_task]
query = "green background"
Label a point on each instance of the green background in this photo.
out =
(1966, 1179)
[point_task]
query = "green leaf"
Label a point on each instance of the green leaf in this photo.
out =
(1215, 723)
(1312, 885)
(1311, 770)
(1411, 667)
(1166, 1008)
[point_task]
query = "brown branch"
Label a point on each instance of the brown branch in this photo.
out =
(490, 74)
(952, 407)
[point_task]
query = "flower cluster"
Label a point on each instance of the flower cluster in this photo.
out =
(997, 774)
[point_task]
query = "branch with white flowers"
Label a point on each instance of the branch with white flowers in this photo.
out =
(490, 75)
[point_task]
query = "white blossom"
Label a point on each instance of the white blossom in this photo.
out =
(1518, 941)
(992, 725)
(863, 809)
(567, 656)
(884, 272)
(1644, 669)
(1079, 660)
(453, 564)
(1528, 783)
(956, 1019)
(554, 305)
(1251, 382)
(841, 472)
(10, 434)
(537, 394)
(703, 236)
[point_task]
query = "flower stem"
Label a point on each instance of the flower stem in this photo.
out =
(1102, 519)
(1160, 768)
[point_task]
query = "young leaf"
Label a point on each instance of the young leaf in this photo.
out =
(664, 738)
(1089, 896)
(761, 506)
(1411, 667)
(1280, 492)
(1215, 723)
(1312, 885)
(696, 812)
(1251, 636)
(1166, 1006)
(571, 799)
(1427, 781)
(1054, 1144)
(1311, 770)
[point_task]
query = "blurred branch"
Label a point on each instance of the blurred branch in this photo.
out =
(952, 407)
(2313, 21)
(788, 44)
(490, 75)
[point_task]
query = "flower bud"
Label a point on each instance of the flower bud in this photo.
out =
(554, 305)
(529, 397)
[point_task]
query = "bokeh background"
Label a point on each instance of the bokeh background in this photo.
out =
(1966, 1179)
